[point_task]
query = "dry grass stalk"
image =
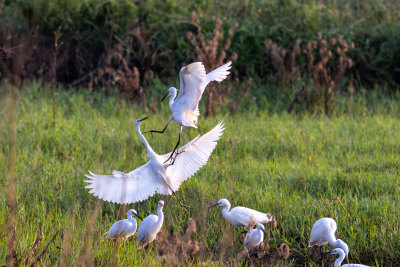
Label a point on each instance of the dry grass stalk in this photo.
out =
(57, 36)
(326, 64)
(33, 249)
(44, 251)
(175, 249)
(208, 53)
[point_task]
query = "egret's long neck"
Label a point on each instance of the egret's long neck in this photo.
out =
(172, 99)
(339, 260)
(225, 212)
(150, 152)
(131, 219)
(160, 220)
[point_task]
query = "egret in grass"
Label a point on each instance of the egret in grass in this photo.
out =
(155, 176)
(323, 232)
(241, 216)
(123, 228)
(150, 226)
(342, 255)
(254, 238)
(185, 108)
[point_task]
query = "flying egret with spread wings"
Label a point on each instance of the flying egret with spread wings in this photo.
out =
(342, 255)
(241, 216)
(323, 232)
(123, 228)
(150, 226)
(185, 108)
(155, 176)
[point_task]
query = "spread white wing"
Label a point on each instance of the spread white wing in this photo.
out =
(193, 156)
(122, 188)
(193, 81)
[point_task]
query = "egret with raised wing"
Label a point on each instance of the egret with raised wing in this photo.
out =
(241, 216)
(254, 238)
(185, 108)
(150, 226)
(342, 255)
(155, 176)
(123, 228)
(323, 232)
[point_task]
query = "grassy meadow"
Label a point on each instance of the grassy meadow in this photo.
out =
(298, 167)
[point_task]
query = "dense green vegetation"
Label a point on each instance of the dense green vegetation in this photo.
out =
(297, 167)
(87, 29)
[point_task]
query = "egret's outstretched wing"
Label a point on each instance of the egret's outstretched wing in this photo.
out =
(191, 77)
(217, 75)
(122, 188)
(192, 156)
(193, 81)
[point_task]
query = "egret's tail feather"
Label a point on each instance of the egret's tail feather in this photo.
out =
(191, 118)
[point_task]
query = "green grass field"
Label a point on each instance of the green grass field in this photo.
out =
(300, 168)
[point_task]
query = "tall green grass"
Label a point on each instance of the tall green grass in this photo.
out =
(297, 167)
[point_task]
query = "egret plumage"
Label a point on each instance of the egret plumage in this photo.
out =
(150, 226)
(155, 176)
(123, 228)
(342, 255)
(323, 232)
(254, 238)
(241, 216)
(185, 108)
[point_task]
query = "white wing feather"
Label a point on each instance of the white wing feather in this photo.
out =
(243, 216)
(193, 81)
(194, 155)
(122, 188)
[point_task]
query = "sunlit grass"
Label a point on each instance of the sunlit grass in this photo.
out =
(297, 167)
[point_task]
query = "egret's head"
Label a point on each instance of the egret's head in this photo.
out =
(261, 227)
(138, 122)
(343, 246)
(222, 202)
(171, 91)
(161, 203)
(133, 212)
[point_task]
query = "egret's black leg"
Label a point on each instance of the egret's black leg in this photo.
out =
(321, 251)
(155, 131)
(177, 144)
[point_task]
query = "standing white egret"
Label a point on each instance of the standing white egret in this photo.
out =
(323, 232)
(254, 238)
(185, 108)
(241, 216)
(150, 226)
(342, 255)
(155, 176)
(123, 228)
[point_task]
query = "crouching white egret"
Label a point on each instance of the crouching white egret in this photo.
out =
(342, 255)
(123, 228)
(185, 108)
(241, 216)
(150, 226)
(254, 238)
(323, 232)
(155, 176)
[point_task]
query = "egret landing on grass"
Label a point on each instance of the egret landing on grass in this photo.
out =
(342, 255)
(323, 232)
(254, 238)
(185, 108)
(155, 176)
(241, 216)
(123, 228)
(150, 226)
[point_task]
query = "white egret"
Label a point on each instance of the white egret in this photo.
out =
(150, 226)
(342, 255)
(155, 176)
(323, 232)
(254, 238)
(193, 81)
(123, 228)
(241, 216)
